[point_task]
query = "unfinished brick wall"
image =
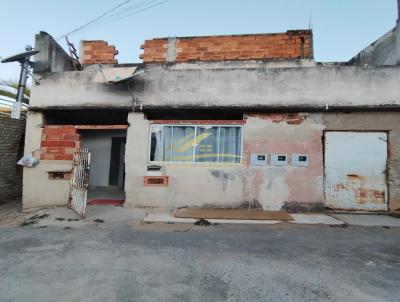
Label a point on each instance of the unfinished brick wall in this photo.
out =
(59, 142)
(97, 52)
(11, 146)
(290, 45)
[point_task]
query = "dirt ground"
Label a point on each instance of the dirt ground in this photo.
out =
(11, 213)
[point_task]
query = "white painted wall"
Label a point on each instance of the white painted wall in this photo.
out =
(99, 144)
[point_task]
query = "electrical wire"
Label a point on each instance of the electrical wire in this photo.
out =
(94, 20)
(141, 10)
(139, 4)
(119, 13)
(134, 9)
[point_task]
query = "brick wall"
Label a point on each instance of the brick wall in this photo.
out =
(11, 146)
(59, 142)
(97, 52)
(289, 45)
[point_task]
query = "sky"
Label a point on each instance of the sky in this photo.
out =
(341, 27)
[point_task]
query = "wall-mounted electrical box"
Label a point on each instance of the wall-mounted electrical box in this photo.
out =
(258, 159)
(300, 160)
(279, 159)
(154, 170)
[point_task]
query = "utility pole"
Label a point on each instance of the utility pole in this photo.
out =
(23, 77)
(23, 59)
(398, 11)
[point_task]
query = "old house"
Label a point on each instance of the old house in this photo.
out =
(219, 121)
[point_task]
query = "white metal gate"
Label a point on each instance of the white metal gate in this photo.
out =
(355, 170)
(79, 182)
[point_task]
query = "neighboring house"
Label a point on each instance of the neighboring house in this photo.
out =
(6, 105)
(218, 121)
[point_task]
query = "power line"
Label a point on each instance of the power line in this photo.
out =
(94, 20)
(132, 8)
(118, 15)
(128, 14)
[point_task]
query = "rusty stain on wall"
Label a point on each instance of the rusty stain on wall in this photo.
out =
(355, 170)
(356, 184)
(355, 177)
(376, 121)
(288, 118)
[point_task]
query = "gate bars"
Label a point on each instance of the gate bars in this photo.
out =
(79, 182)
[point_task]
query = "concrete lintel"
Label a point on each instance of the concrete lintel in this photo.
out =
(271, 108)
(50, 108)
(101, 127)
(259, 108)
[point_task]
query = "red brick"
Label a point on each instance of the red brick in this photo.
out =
(50, 143)
(67, 143)
(99, 52)
(69, 131)
(50, 131)
(59, 141)
(70, 137)
(52, 137)
(269, 46)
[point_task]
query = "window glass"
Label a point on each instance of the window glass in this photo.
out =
(206, 144)
(183, 141)
(230, 145)
(160, 147)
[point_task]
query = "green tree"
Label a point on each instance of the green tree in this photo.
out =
(9, 88)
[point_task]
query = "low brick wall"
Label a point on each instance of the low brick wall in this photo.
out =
(292, 44)
(59, 142)
(11, 148)
(98, 52)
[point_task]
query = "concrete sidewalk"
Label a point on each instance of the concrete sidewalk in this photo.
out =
(64, 217)
(309, 218)
(368, 220)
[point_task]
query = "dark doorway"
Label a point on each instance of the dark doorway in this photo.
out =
(117, 162)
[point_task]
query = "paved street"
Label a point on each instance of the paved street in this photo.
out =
(170, 262)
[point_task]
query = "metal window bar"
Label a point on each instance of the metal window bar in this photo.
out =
(194, 145)
(218, 142)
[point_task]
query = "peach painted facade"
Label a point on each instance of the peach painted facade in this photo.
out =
(233, 185)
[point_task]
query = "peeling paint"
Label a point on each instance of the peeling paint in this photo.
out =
(288, 118)
(355, 168)
(283, 185)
